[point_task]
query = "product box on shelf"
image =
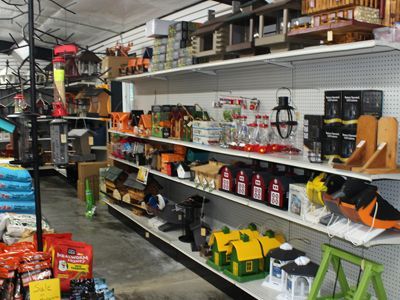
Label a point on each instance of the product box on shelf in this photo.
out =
(371, 103)
(313, 134)
(351, 108)
(298, 201)
(170, 158)
(110, 65)
(347, 143)
(228, 177)
(208, 176)
(160, 120)
(278, 192)
(331, 144)
(157, 28)
(205, 140)
(333, 108)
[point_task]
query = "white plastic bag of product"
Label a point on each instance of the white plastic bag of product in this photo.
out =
(18, 224)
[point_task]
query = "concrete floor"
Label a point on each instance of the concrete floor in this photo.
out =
(131, 265)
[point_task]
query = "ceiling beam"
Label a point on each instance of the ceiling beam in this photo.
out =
(40, 52)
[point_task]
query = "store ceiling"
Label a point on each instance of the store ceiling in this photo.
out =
(95, 20)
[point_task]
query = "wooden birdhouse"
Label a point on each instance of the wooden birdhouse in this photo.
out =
(210, 39)
(137, 191)
(121, 121)
(278, 192)
(99, 100)
(82, 141)
(245, 260)
(274, 24)
(279, 257)
(243, 25)
(113, 178)
(269, 241)
(208, 176)
(259, 185)
(243, 182)
(160, 121)
(176, 122)
(300, 276)
(228, 177)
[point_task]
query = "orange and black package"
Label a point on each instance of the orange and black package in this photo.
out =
(8, 280)
(20, 247)
(29, 257)
(33, 271)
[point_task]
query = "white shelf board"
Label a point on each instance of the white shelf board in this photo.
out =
(308, 53)
(297, 161)
(86, 118)
(386, 238)
(5, 141)
(253, 288)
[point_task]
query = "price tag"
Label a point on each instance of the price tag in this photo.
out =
(147, 234)
(45, 289)
(203, 231)
(63, 138)
(142, 175)
(381, 146)
(329, 36)
(91, 142)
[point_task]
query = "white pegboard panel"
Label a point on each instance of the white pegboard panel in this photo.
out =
(309, 80)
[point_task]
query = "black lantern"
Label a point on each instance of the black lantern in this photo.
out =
(283, 116)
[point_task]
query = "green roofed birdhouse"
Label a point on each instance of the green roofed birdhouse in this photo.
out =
(246, 260)
(221, 248)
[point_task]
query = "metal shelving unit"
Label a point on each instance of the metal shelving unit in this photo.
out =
(386, 238)
(297, 161)
(283, 59)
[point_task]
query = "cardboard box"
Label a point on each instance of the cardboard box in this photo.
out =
(298, 201)
(157, 28)
(113, 63)
(89, 170)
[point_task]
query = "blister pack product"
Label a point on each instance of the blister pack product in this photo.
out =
(14, 173)
(16, 186)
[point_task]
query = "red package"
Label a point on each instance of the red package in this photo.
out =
(48, 239)
(72, 260)
(33, 271)
(35, 257)
(20, 247)
(8, 280)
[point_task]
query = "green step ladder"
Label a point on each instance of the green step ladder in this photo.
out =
(371, 273)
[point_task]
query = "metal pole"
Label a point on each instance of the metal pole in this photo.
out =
(36, 180)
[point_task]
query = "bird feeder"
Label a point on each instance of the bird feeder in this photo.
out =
(59, 87)
(19, 103)
(279, 258)
(300, 276)
(82, 140)
(59, 142)
(283, 117)
(274, 23)
(68, 52)
(21, 139)
(88, 63)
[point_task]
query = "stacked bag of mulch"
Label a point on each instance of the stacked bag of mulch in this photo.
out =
(16, 193)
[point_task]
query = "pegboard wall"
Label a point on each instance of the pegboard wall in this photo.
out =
(308, 81)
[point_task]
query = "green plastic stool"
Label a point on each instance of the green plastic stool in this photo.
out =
(372, 272)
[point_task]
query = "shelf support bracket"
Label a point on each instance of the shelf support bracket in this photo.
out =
(285, 64)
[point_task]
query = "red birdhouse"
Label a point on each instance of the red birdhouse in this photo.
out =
(243, 180)
(259, 185)
(228, 176)
(278, 192)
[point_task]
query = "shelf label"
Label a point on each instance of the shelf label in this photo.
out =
(203, 231)
(45, 289)
(142, 175)
(91, 141)
(329, 36)
(63, 138)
